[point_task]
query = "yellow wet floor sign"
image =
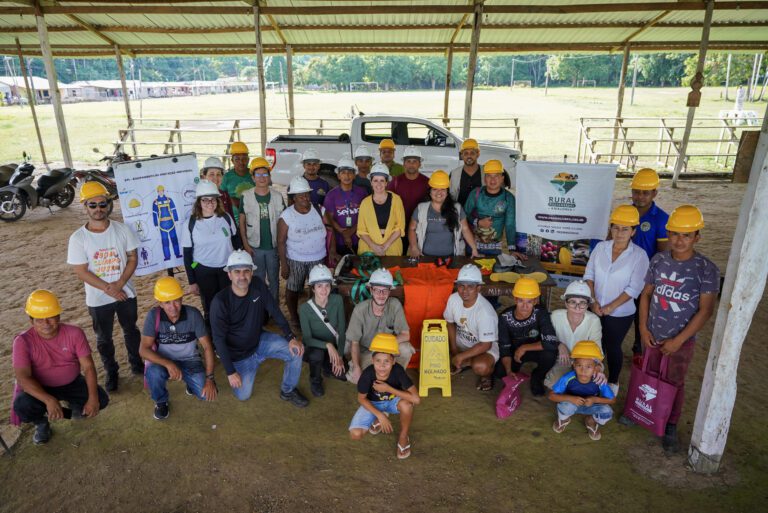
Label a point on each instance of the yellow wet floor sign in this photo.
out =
(434, 367)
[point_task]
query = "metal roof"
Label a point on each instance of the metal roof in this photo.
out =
(146, 27)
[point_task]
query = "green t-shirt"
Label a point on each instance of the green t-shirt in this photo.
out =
(396, 170)
(235, 185)
(314, 331)
(265, 238)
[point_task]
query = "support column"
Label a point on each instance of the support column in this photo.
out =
(31, 99)
(742, 291)
(620, 101)
(472, 66)
(262, 85)
(694, 97)
(289, 72)
(634, 80)
(53, 84)
(126, 99)
(727, 76)
(448, 68)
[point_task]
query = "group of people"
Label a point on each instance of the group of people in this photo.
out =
(242, 238)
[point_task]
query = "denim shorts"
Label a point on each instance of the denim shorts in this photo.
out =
(363, 418)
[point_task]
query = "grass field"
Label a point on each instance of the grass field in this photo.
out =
(549, 123)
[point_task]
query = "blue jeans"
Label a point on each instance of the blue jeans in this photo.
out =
(271, 345)
(268, 269)
(192, 372)
(363, 418)
(602, 413)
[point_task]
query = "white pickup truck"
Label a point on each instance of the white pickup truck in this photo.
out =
(438, 145)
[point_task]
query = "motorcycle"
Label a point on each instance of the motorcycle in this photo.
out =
(55, 187)
(104, 177)
(6, 171)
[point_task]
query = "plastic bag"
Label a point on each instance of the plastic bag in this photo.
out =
(509, 399)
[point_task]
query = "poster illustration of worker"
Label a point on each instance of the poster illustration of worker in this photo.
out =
(156, 199)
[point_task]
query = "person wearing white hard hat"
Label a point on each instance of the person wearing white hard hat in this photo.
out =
(411, 186)
(473, 336)
(363, 163)
(213, 171)
(379, 314)
(239, 314)
(300, 243)
(311, 163)
(342, 206)
(208, 238)
(574, 323)
(382, 218)
(323, 330)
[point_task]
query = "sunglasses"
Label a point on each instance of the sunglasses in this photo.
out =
(325, 316)
(260, 175)
(101, 204)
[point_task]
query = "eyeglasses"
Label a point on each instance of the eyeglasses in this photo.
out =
(575, 303)
(209, 200)
(260, 175)
(101, 204)
(380, 290)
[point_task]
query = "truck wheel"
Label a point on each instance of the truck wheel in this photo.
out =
(12, 206)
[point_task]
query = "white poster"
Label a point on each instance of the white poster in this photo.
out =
(156, 198)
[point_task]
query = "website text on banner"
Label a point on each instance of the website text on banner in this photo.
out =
(561, 207)
(156, 198)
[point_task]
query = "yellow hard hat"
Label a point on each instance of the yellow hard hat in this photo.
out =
(645, 180)
(160, 188)
(92, 190)
(387, 144)
(237, 148)
(439, 180)
(586, 349)
(493, 167)
(469, 144)
(685, 219)
(526, 288)
(168, 288)
(258, 163)
(385, 343)
(625, 215)
(42, 304)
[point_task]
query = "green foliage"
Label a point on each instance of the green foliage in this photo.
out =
(716, 67)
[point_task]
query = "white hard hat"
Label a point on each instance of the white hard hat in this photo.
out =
(237, 259)
(382, 278)
(206, 188)
(320, 274)
(470, 273)
(310, 155)
(413, 152)
(362, 152)
(213, 162)
(379, 169)
(345, 163)
(298, 185)
(578, 288)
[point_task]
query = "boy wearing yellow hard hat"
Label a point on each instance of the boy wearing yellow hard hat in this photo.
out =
(238, 178)
(677, 301)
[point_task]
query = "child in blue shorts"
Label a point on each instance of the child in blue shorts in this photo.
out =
(384, 388)
(577, 392)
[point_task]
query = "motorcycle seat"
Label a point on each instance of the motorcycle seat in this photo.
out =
(52, 178)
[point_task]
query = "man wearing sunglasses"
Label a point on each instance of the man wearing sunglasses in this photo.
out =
(103, 256)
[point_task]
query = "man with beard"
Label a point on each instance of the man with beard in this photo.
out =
(468, 176)
(387, 157)
(320, 187)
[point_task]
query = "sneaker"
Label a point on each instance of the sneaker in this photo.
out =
(626, 421)
(111, 383)
(161, 411)
(42, 433)
(669, 441)
(295, 398)
(317, 388)
(537, 387)
(77, 411)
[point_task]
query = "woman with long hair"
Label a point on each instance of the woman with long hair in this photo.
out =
(381, 218)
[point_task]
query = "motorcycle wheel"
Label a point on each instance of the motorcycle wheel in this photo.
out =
(65, 198)
(12, 206)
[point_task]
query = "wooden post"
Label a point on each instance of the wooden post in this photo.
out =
(289, 72)
(694, 97)
(262, 85)
(53, 84)
(472, 66)
(546, 82)
(620, 101)
(752, 79)
(126, 99)
(634, 79)
(448, 67)
(742, 291)
(757, 78)
(31, 100)
(727, 76)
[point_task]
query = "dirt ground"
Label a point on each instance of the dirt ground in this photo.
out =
(264, 455)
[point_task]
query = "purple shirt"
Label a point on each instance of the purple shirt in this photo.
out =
(678, 287)
(344, 208)
(412, 192)
(319, 189)
(54, 362)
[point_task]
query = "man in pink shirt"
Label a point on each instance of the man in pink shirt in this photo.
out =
(48, 359)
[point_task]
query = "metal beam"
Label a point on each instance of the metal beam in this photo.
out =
(93, 30)
(262, 83)
(650, 23)
(31, 100)
(477, 21)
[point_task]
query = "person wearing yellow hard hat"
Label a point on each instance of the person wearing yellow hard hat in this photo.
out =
(469, 174)
(385, 389)
(387, 157)
(615, 274)
(438, 227)
(171, 334)
(577, 392)
(213, 171)
(238, 178)
(260, 209)
(103, 255)
(412, 186)
(52, 363)
(679, 297)
(342, 208)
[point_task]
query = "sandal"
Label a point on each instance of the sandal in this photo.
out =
(485, 384)
(560, 425)
(593, 431)
(404, 452)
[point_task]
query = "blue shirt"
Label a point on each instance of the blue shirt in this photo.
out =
(570, 385)
(652, 230)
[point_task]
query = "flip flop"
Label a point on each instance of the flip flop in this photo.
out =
(375, 428)
(560, 425)
(593, 432)
(404, 452)
(485, 384)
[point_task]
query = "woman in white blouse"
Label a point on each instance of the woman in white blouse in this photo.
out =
(616, 274)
